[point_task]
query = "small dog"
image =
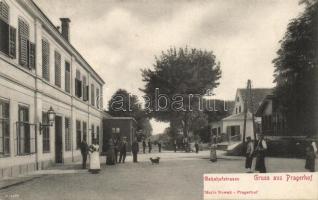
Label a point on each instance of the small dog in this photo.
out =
(154, 160)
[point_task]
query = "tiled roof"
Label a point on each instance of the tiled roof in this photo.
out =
(239, 116)
(258, 95)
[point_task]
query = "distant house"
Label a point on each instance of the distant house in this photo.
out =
(231, 127)
(273, 120)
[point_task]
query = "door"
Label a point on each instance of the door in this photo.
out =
(58, 139)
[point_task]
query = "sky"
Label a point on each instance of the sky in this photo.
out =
(118, 38)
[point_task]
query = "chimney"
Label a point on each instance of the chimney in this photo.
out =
(65, 23)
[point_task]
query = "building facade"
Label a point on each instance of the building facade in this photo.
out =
(118, 128)
(40, 69)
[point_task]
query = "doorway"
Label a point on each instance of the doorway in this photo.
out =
(58, 139)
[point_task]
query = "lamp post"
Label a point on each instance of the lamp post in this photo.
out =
(51, 118)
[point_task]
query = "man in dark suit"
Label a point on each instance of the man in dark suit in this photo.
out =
(135, 150)
(149, 145)
(144, 146)
(84, 152)
(123, 148)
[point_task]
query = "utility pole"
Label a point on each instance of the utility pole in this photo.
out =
(248, 101)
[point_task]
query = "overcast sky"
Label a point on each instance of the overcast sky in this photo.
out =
(118, 38)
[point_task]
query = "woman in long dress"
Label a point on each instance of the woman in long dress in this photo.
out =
(94, 162)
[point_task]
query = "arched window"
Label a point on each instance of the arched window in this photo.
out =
(4, 11)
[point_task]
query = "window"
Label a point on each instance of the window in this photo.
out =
(67, 77)
(115, 130)
(97, 134)
(68, 140)
(237, 98)
(97, 97)
(45, 133)
(240, 110)
(45, 60)
(78, 84)
(85, 89)
(78, 134)
(57, 58)
(4, 129)
(92, 95)
(25, 139)
(84, 131)
(93, 133)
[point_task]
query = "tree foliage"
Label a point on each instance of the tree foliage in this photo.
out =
(296, 71)
(181, 73)
(124, 104)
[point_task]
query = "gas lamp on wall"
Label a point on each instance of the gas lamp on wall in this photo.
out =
(51, 119)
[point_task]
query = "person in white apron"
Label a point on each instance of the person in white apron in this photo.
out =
(94, 162)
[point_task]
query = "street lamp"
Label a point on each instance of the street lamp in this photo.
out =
(51, 118)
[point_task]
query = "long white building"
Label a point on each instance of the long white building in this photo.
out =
(40, 69)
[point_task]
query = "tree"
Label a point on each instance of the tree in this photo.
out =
(123, 104)
(182, 76)
(296, 72)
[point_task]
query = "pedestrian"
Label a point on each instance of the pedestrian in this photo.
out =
(311, 151)
(94, 161)
(149, 146)
(249, 154)
(144, 146)
(122, 151)
(213, 157)
(175, 145)
(84, 152)
(159, 146)
(196, 146)
(260, 151)
(110, 155)
(135, 150)
(116, 149)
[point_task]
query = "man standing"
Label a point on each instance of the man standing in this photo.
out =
(149, 145)
(196, 146)
(144, 146)
(84, 151)
(123, 149)
(135, 150)
(175, 145)
(249, 154)
(159, 146)
(260, 154)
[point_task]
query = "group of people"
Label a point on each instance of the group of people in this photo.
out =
(144, 145)
(259, 149)
(119, 146)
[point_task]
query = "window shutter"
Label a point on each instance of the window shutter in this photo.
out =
(31, 55)
(4, 37)
(23, 47)
(12, 42)
(57, 57)
(23, 43)
(45, 60)
(4, 11)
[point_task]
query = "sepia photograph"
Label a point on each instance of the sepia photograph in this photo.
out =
(158, 99)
